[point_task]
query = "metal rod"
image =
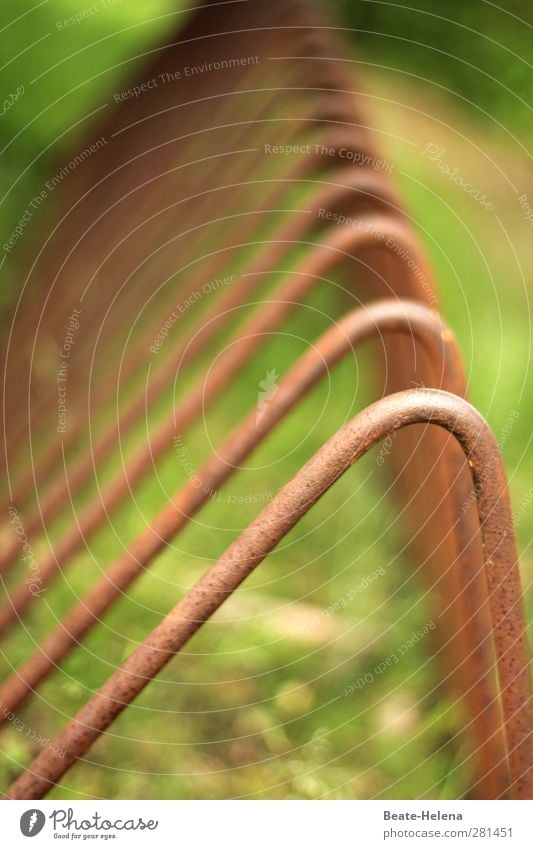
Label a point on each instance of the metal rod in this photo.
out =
(274, 522)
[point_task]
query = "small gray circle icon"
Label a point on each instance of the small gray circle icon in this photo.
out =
(32, 822)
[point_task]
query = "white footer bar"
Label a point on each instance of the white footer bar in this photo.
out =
(267, 824)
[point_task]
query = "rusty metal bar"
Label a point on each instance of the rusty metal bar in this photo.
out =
(254, 544)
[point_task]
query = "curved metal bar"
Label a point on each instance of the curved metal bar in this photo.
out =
(341, 244)
(340, 452)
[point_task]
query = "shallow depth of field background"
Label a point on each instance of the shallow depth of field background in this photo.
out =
(453, 75)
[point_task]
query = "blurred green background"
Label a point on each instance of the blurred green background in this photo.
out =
(456, 75)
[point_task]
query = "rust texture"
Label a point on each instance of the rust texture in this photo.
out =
(434, 407)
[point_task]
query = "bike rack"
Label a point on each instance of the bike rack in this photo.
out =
(182, 188)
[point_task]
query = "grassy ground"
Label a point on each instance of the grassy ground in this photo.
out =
(256, 705)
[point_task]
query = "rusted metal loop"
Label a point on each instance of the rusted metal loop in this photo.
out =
(274, 522)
